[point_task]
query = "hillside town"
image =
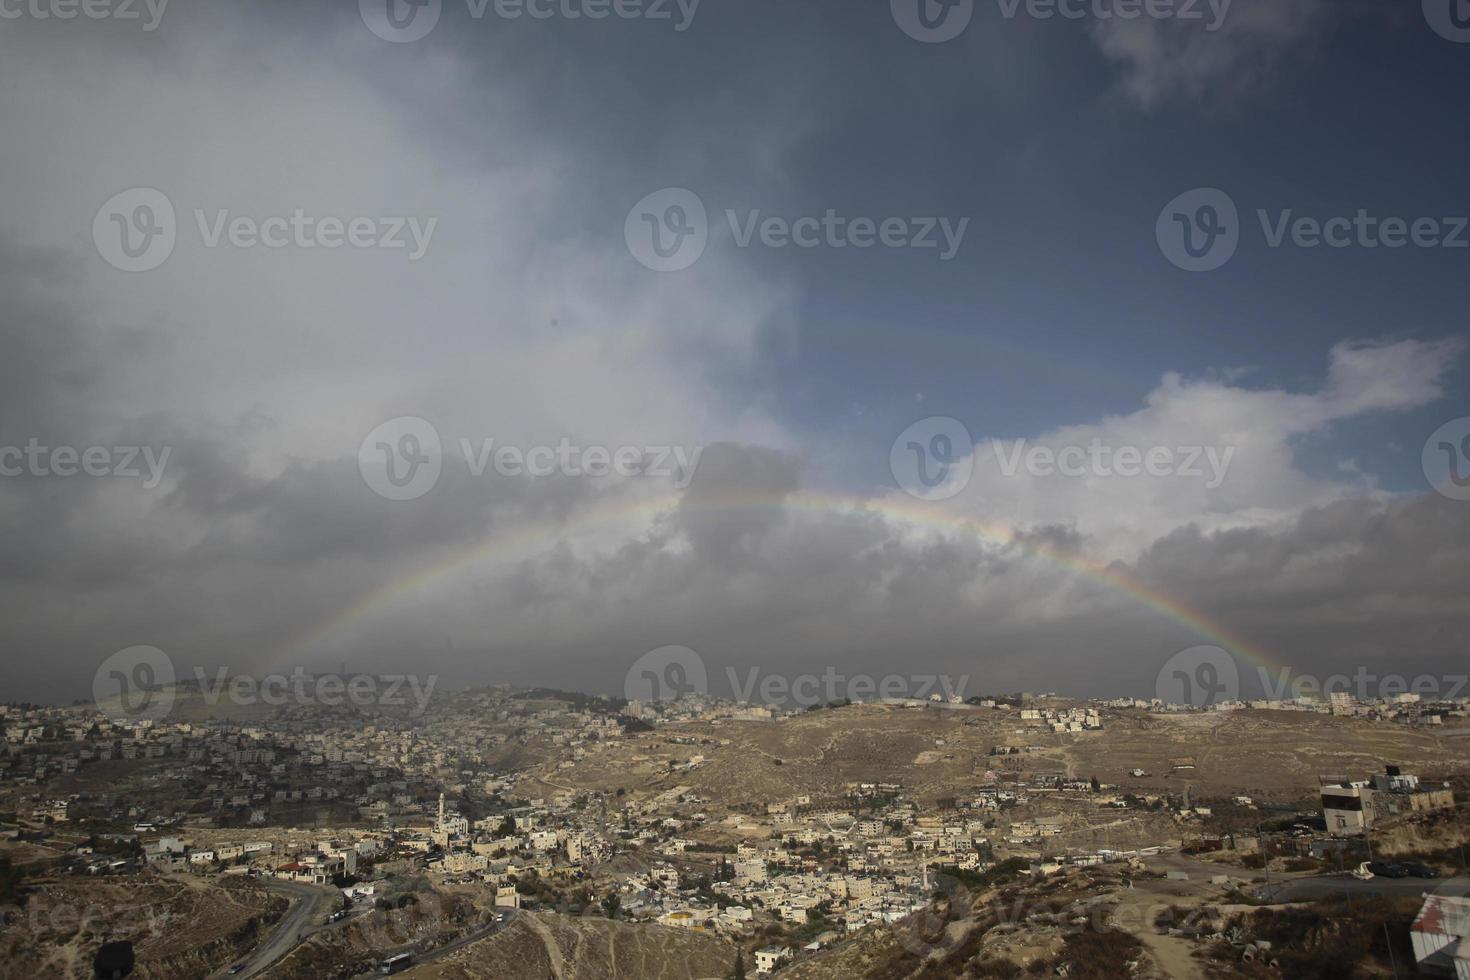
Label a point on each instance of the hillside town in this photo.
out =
(493, 791)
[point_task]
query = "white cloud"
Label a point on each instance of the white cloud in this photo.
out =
(1165, 59)
(1251, 432)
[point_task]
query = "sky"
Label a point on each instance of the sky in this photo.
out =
(286, 267)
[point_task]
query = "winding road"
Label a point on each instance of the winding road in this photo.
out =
(309, 903)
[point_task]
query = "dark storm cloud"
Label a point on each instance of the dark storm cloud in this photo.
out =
(529, 322)
(735, 500)
(1355, 582)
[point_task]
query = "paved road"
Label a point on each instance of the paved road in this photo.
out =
(1323, 886)
(421, 958)
(309, 903)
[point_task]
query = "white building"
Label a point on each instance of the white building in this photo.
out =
(1347, 809)
(769, 958)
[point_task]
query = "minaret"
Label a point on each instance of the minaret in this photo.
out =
(441, 813)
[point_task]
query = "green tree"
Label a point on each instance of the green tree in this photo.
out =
(739, 973)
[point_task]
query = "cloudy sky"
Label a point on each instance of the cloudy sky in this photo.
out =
(258, 236)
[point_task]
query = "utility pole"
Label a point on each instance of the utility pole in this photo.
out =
(1393, 961)
(1266, 855)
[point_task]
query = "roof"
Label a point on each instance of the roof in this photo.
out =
(1444, 914)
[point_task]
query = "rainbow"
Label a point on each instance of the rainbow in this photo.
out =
(529, 540)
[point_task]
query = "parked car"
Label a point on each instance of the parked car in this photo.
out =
(1388, 869)
(1418, 870)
